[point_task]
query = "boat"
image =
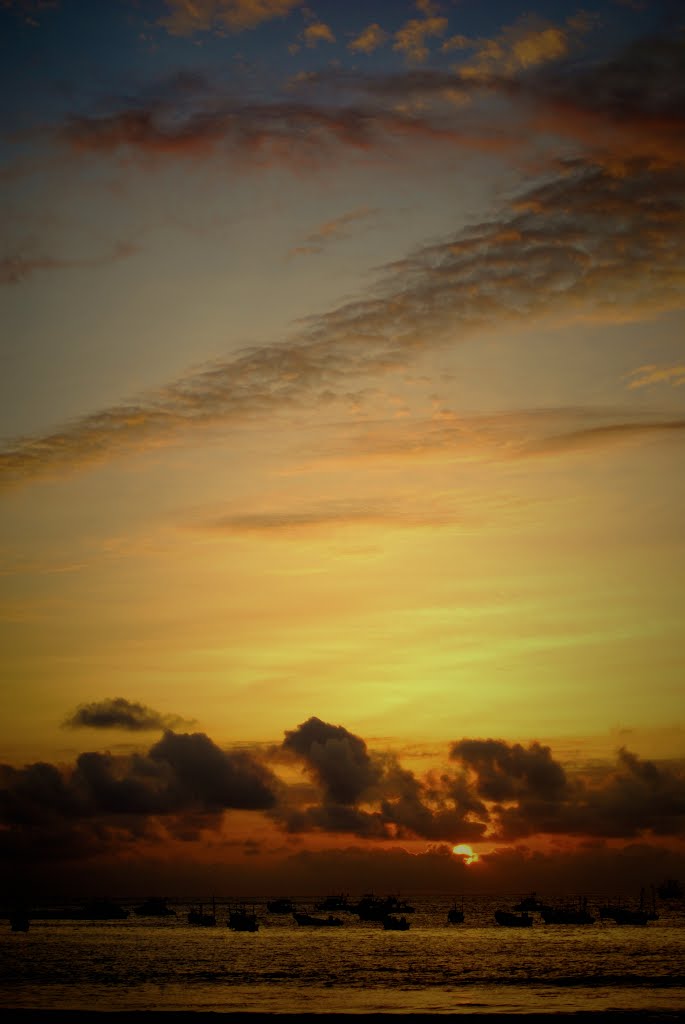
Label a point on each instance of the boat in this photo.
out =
(282, 905)
(395, 924)
(375, 908)
(530, 903)
(311, 921)
(626, 915)
(98, 910)
(19, 920)
(197, 916)
(568, 914)
(338, 903)
(511, 920)
(154, 907)
(670, 889)
(455, 915)
(242, 920)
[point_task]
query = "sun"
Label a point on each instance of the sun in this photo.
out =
(466, 853)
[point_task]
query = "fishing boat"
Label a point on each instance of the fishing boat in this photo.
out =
(568, 914)
(338, 903)
(395, 924)
(455, 915)
(510, 920)
(670, 889)
(311, 921)
(198, 917)
(99, 910)
(531, 902)
(241, 919)
(155, 906)
(375, 908)
(281, 905)
(19, 920)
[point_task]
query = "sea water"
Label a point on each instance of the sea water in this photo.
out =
(434, 967)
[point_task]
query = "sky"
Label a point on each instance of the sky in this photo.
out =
(342, 436)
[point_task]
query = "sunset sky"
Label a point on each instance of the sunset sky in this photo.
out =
(343, 432)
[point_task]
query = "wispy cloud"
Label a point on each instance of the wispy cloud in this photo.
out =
(588, 245)
(647, 376)
(411, 38)
(19, 266)
(600, 236)
(334, 230)
(186, 17)
(369, 40)
(318, 32)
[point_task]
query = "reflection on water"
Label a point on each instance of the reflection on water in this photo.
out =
(359, 967)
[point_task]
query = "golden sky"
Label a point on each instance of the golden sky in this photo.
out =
(342, 417)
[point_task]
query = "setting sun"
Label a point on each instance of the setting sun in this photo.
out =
(465, 851)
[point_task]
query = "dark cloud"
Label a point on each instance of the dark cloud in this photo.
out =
(372, 796)
(337, 758)
(181, 786)
(106, 805)
(509, 771)
(119, 713)
(209, 776)
(529, 793)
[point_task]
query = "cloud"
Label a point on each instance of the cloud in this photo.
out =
(199, 125)
(529, 793)
(187, 17)
(335, 230)
(525, 433)
(587, 244)
(507, 772)
(371, 796)
(338, 759)
(119, 713)
(17, 268)
(646, 376)
(105, 803)
(218, 779)
(109, 806)
(529, 43)
(329, 515)
(411, 38)
(369, 40)
(317, 33)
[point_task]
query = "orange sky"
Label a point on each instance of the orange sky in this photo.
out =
(343, 385)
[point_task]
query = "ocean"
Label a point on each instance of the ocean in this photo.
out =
(478, 967)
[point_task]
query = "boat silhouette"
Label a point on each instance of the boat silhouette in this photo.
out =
(337, 903)
(19, 920)
(568, 914)
(240, 919)
(375, 908)
(197, 916)
(312, 921)
(508, 919)
(395, 924)
(155, 906)
(281, 905)
(455, 915)
(530, 903)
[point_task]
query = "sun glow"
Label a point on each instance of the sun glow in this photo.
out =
(466, 853)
